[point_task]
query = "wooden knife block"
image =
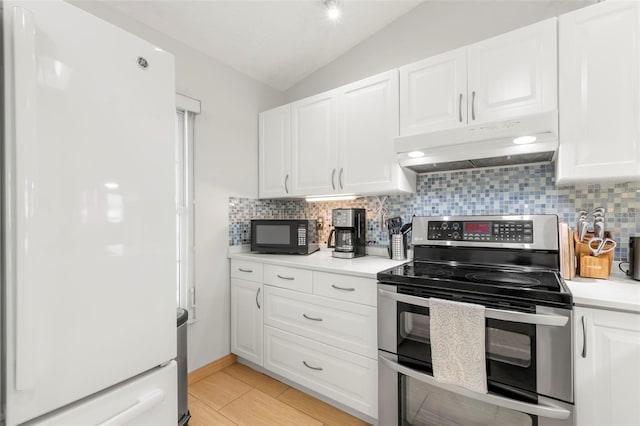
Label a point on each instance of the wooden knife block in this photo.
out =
(589, 265)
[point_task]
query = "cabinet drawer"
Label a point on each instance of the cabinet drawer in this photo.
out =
(246, 270)
(345, 377)
(292, 278)
(345, 287)
(345, 325)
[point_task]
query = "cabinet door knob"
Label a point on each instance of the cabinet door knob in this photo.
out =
(473, 105)
(584, 338)
(286, 180)
(333, 179)
(340, 178)
(460, 108)
(257, 295)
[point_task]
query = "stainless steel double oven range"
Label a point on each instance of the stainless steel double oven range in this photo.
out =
(509, 264)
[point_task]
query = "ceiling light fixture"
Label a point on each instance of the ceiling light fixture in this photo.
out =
(333, 11)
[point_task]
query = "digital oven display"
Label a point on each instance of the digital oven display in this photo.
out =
(477, 227)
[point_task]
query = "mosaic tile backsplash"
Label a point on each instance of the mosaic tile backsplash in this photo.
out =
(527, 189)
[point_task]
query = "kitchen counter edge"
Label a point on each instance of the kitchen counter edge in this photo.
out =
(366, 266)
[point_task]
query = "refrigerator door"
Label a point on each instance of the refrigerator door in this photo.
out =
(89, 198)
(146, 400)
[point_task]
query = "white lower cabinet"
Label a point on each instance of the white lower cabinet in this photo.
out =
(607, 371)
(246, 319)
(316, 329)
(343, 376)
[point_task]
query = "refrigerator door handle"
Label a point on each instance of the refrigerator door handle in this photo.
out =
(142, 405)
(24, 74)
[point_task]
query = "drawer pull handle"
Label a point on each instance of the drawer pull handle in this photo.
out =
(343, 288)
(285, 278)
(311, 367)
(245, 270)
(311, 318)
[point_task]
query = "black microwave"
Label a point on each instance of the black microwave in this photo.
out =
(292, 236)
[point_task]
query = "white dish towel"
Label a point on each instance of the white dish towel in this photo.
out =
(458, 344)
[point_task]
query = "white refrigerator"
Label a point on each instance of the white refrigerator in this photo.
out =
(88, 221)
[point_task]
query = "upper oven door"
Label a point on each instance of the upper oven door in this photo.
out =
(526, 352)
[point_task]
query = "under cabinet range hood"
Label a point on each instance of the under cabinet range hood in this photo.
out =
(483, 145)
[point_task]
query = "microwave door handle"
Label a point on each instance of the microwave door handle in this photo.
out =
(540, 410)
(498, 314)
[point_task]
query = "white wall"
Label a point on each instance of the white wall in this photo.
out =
(431, 28)
(226, 164)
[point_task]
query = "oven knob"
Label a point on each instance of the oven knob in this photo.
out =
(455, 226)
(455, 235)
(445, 225)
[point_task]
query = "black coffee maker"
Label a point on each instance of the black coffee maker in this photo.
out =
(348, 233)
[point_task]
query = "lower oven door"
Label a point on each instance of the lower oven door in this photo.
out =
(411, 397)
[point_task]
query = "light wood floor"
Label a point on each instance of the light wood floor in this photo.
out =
(239, 395)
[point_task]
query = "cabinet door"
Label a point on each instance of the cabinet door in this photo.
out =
(275, 152)
(315, 145)
(600, 93)
(433, 93)
(246, 320)
(368, 119)
(607, 382)
(513, 74)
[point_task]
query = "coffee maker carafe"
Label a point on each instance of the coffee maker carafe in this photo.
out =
(348, 233)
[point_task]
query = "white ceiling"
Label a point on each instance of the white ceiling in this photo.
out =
(278, 42)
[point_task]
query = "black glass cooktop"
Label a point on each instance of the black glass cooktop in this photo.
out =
(512, 282)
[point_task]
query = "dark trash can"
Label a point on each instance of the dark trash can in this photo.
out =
(181, 359)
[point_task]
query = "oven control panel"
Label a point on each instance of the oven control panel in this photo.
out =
(498, 231)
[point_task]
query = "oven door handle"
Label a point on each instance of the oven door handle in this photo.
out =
(540, 410)
(498, 314)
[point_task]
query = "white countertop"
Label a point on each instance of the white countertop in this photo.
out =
(366, 266)
(618, 292)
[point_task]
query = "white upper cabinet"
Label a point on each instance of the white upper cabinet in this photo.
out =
(342, 140)
(368, 122)
(275, 152)
(514, 74)
(504, 77)
(600, 93)
(315, 145)
(433, 93)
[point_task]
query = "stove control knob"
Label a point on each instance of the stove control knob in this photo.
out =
(455, 226)
(455, 235)
(445, 225)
